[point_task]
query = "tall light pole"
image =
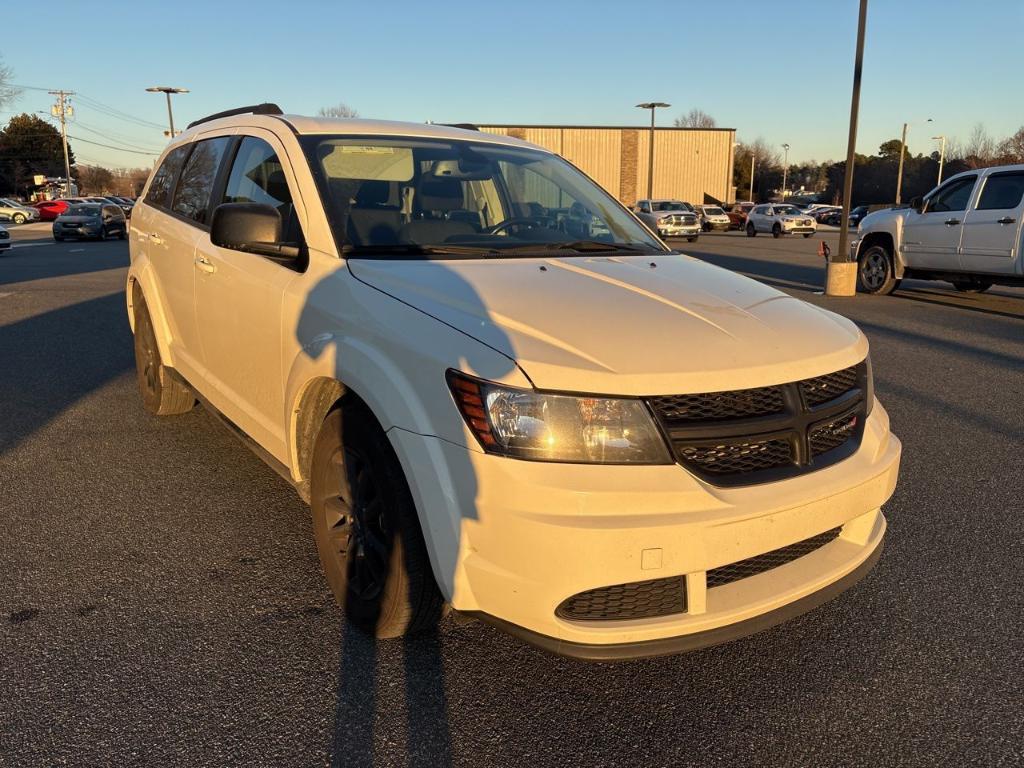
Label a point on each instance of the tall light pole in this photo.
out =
(841, 270)
(752, 158)
(167, 91)
(903, 151)
(942, 155)
(785, 171)
(651, 105)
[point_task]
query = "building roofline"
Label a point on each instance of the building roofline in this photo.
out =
(483, 126)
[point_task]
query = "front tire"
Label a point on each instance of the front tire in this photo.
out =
(875, 272)
(162, 395)
(692, 239)
(751, 231)
(19, 218)
(366, 528)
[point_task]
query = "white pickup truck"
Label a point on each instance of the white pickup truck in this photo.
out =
(966, 231)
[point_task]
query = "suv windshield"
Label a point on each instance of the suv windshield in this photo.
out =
(396, 196)
(786, 210)
(711, 210)
(672, 205)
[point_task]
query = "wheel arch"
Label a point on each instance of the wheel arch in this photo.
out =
(143, 281)
(887, 241)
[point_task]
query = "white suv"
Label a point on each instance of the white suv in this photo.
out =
(967, 231)
(779, 219)
(499, 391)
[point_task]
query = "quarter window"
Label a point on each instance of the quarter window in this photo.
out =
(192, 195)
(953, 197)
(1002, 191)
(159, 193)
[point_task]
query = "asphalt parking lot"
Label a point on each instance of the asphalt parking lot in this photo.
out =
(161, 601)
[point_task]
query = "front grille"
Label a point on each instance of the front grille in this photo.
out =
(5, 235)
(738, 458)
(713, 406)
(821, 389)
(747, 436)
(637, 600)
(752, 566)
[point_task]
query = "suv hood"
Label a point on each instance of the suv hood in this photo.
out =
(618, 325)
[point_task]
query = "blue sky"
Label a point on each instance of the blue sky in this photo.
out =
(779, 70)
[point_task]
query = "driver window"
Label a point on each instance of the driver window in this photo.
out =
(952, 197)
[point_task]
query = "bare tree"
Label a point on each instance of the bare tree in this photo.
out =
(341, 109)
(695, 118)
(8, 92)
(1011, 150)
(980, 149)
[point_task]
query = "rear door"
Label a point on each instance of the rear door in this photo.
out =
(992, 229)
(931, 239)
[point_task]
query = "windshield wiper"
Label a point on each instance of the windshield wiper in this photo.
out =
(587, 246)
(415, 249)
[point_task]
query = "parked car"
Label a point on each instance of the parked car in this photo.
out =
(670, 218)
(17, 212)
(601, 446)
(83, 221)
(5, 239)
(835, 219)
(822, 215)
(119, 202)
(966, 231)
(712, 218)
(51, 209)
(737, 214)
(779, 219)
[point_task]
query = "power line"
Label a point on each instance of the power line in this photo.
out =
(113, 137)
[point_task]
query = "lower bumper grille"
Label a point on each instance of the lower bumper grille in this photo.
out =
(752, 566)
(638, 600)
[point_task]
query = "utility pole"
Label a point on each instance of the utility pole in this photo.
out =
(899, 173)
(785, 171)
(841, 270)
(752, 158)
(62, 111)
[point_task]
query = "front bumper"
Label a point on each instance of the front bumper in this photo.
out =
(719, 226)
(82, 231)
(669, 230)
(511, 540)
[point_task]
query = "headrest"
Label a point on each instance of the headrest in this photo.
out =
(373, 192)
(439, 194)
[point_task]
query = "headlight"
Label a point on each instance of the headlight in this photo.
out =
(525, 424)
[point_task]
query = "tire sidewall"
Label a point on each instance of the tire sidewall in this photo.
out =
(888, 285)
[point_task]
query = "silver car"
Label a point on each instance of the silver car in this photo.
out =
(669, 218)
(16, 212)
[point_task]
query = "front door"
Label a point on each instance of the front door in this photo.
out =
(239, 300)
(992, 229)
(931, 239)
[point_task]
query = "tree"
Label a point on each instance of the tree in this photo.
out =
(767, 172)
(94, 180)
(30, 146)
(7, 91)
(980, 149)
(890, 150)
(341, 109)
(695, 118)
(1011, 150)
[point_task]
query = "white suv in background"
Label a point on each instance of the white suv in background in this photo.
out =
(497, 390)
(967, 231)
(779, 219)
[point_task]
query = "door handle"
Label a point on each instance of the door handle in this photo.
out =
(205, 265)
(156, 239)
(952, 222)
(1006, 220)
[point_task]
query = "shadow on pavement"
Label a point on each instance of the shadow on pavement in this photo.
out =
(23, 264)
(50, 361)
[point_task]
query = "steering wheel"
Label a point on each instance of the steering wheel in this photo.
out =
(515, 221)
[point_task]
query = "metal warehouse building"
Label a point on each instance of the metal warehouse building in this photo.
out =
(691, 164)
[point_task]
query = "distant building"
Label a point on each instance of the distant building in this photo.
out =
(691, 164)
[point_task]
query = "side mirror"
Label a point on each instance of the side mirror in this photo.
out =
(250, 227)
(916, 203)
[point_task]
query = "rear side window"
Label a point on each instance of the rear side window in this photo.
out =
(192, 195)
(258, 177)
(159, 193)
(1002, 191)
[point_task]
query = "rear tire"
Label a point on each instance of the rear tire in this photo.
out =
(776, 231)
(162, 395)
(751, 231)
(122, 234)
(972, 286)
(366, 528)
(875, 272)
(18, 218)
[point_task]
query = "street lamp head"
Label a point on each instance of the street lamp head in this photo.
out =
(653, 105)
(786, 147)
(166, 89)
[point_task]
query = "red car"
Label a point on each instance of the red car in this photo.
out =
(738, 214)
(51, 209)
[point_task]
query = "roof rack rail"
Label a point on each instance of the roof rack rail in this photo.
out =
(266, 108)
(463, 126)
